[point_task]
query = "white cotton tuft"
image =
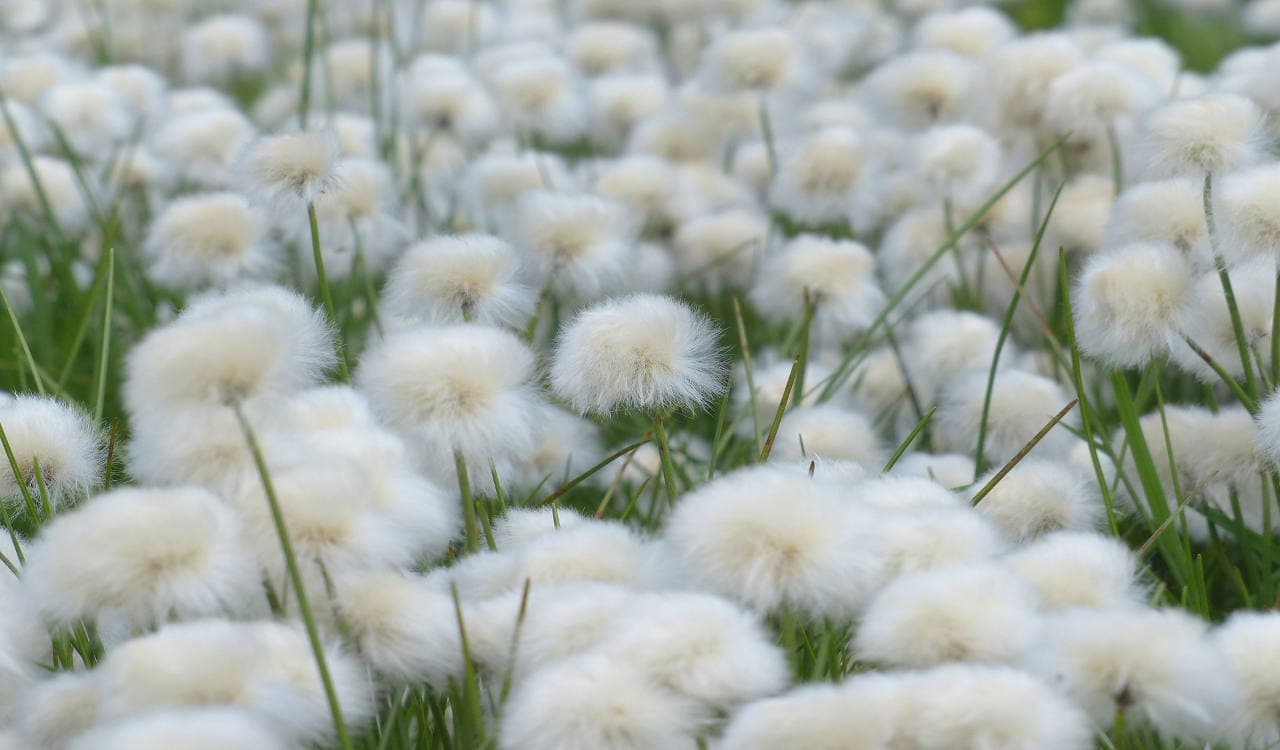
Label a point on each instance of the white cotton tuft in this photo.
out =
(19, 197)
(947, 469)
(1247, 207)
(818, 178)
(59, 437)
(643, 352)
(1078, 569)
(1158, 666)
(975, 612)
(407, 631)
(989, 707)
(1126, 302)
(863, 713)
(1249, 642)
(1206, 318)
(890, 492)
(207, 240)
(455, 278)
(223, 48)
(54, 712)
(752, 60)
(958, 162)
(592, 551)
(157, 554)
(24, 641)
(565, 445)
(1039, 497)
(227, 346)
(204, 145)
(1022, 404)
(918, 89)
(1161, 212)
(459, 388)
(836, 277)
(970, 31)
(700, 646)
(942, 344)
(292, 167)
(916, 539)
(1268, 429)
(522, 525)
(720, 248)
(593, 702)
(827, 431)
(1201, 135)
(1080, 217)
(191, 729)
(1018, 75)
(576, 242)
(771, 537)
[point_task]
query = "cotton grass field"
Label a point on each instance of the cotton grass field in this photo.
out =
(639, 375)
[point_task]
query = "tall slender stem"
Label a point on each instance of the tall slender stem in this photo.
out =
(1237, 324)
(326, 296)
(468, 501)
(664, 456)
(295, 577)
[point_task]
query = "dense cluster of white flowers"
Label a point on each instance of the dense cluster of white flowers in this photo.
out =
(638, 375)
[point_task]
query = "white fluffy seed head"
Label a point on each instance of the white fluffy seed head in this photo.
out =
(1022, 404)
(58, 436)
(1040, 496)
(1158, 666)
(578, 242)
(592, 702)
(968, 31)
(975, 612)
(1268, 429)
(1247, 202)
(949, 470)
(837, 277)
(1018, 75)
(1248, 640)
(460, 387)
(916, 539)
(863, 712)
(922, 88)
(459, 277)
(19, 197)
(896, 492)
(225, 346)
(1092, 100)
(754, 60)
(1078, 569)
(194, 729)
(969, 705)
(700, 646)
(204, 144)
(642, 352)
(1081, 213)
(407, 631)
(1127, 300)
(222, 48)
(772, 537)
(942, 344)
(57, 710)
(720, 246)
(819, 176)
(158, 554)
(1202, 135)
(208, 239)
(827, 431)
(1206, 318)
(1161, 212)
(292, 167)
(958, 161)
(91, 115)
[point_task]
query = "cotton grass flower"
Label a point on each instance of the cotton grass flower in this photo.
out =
(772, 538)
(61, 439)
(1202, 135)
(1078, 569)
(990, 707)
(1127, 300)
(196, 729)
(1022, 404)
(1158, 667)
(1248, 640)
(918, 539)
(157, 554)
(456, 278)
(863, 712)
(827, 431)
(224, 48)
(68, 204)
(818, 178)
(292, 166)
(644, 352)
(752, 60)
(597, 703)
(209, 239)
(835, 277)
(576, 242)
(700, 646)
(719, 247)
(977, 612)
(228, 347)
(1038, 497)
(1161, 212)
(1206, 318)
(958, 161)
(57, 710)
(204, 145)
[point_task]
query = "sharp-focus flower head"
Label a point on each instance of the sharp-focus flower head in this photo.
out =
(640, 352)
(61, 438)
(459, 277)
(293, 166)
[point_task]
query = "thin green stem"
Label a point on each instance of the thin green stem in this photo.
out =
(1233, 308)
(295, 577)
(810, 308)
(468, 502)
(326, 295)
(766, 132)
(104, 345)
(308, 51)
(664, 456)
